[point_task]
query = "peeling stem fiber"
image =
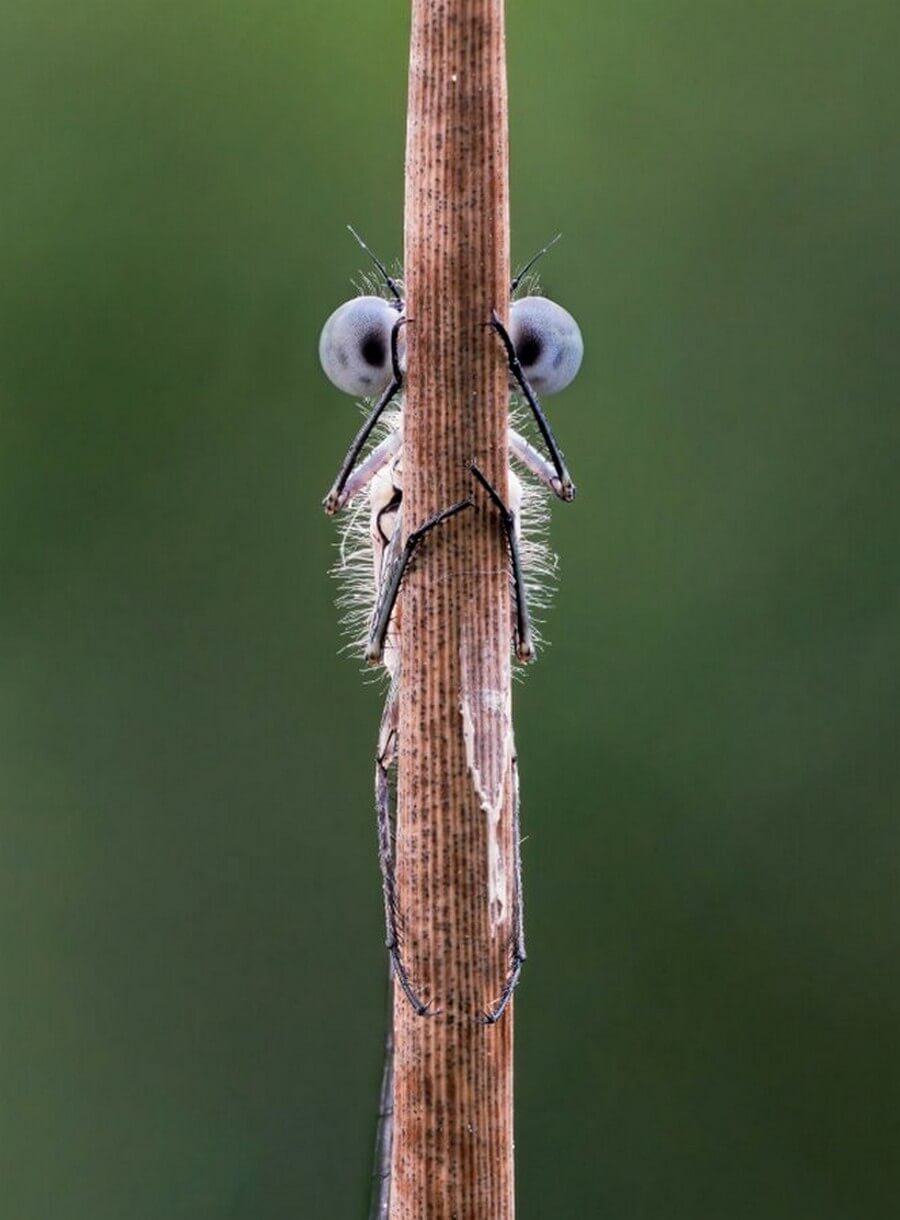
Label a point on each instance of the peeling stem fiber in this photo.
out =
(453, 1130)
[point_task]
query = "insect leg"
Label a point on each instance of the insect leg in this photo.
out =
(562, 485)
(335, 500)
(517, 944)
(363, 474)
(387, 753)
(534, 461)
(524, 642)
(391, 587)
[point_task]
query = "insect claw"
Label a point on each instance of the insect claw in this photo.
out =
(525, 651)
(490, 1018)
(564, 489)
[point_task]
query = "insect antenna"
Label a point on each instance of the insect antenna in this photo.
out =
(388, 279)
(520, 275)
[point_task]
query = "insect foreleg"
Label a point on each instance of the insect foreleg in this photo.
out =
(391, 586)
(359, 479)
(534, 461)
(524, 641)
(334, 501)
(563, 485)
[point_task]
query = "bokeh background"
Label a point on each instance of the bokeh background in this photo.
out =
(191, 975)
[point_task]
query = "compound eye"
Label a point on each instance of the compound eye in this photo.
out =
(355, 346)
(548, 343)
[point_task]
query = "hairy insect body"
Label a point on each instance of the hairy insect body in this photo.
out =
(370, 544)
(385, 501)
(362, 352)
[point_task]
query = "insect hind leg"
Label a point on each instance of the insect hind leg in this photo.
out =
(384, 760)
(391, 587)
(524, 639)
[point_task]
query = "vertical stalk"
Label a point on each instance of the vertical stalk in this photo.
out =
(453, 1137)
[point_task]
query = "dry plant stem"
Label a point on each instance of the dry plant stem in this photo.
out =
(453, 1139)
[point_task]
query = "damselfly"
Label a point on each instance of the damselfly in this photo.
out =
(362, 352)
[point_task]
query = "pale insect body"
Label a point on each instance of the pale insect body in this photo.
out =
(370, 541)
(362, 352)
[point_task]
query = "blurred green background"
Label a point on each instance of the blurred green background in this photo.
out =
(192, 972)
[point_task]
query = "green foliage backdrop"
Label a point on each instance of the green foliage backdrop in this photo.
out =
(192, 975)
